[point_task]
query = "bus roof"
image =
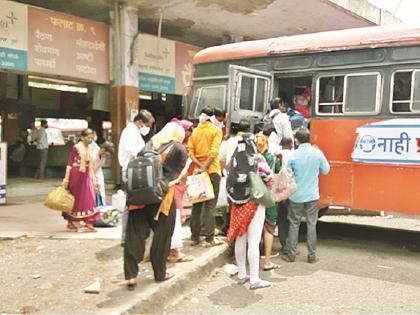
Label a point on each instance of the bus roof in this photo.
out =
(355, 38)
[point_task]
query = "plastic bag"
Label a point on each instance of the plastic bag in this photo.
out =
(284, 185)
(60, 199)
(199, 188)
(222, 200)
(259, 190)
(108, 215)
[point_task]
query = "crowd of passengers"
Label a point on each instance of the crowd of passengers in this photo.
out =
(153, 231)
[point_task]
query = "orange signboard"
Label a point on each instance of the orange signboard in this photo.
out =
(66, 45)
(184, 54)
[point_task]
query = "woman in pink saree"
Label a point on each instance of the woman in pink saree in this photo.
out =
(80, 179)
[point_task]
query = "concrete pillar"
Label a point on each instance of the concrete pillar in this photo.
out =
(124, 95)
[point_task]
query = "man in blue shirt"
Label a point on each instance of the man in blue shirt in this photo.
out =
(306, 163)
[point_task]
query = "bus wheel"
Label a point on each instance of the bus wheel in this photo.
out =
(322, 211)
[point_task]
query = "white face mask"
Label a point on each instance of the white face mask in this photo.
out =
(204, 117)
(144, 130)
(219, 124)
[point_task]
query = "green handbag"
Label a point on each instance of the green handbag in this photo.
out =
(259, 190)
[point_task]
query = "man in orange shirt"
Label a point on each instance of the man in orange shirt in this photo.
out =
(203, 148)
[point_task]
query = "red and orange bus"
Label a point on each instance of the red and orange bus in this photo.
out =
(364, 90)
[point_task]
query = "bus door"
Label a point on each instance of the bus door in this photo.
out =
(249, 93)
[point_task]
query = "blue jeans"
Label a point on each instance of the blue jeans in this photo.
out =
(296, 212)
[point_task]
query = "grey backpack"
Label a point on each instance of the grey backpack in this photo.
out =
(146, 183)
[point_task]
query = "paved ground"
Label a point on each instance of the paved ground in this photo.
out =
(361, 269)
(44, 269)
(364, 272)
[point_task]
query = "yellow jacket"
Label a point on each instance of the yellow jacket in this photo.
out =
(205, 142)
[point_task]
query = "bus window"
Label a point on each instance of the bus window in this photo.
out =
(415, 105)
(362, 93)
(252, 93)
(401, 95)
(330, 94)
(406, 91)
(208, 96)
(259, 95)
(247, 93)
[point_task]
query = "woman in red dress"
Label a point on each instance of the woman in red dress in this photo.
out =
(80, 179)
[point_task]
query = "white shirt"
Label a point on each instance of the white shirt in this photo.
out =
(283, 129)
(131, 143)
(227, 149)
(41, 139)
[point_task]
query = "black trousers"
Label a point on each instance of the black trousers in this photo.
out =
(207, 207)
(282, 222)
(139, 224)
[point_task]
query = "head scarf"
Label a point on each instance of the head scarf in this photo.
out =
(171, 132)
(262, 143)
(185, 124)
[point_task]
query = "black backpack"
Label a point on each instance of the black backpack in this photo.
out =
(241, 163)
(146, 183)
(267, 121)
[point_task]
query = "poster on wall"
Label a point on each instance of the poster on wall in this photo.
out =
(13, 35)
(164, 66)
(67, 45)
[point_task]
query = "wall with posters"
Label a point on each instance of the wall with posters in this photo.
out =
(164, 66)
(46, 42)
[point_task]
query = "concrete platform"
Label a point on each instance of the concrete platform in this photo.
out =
(26, 217)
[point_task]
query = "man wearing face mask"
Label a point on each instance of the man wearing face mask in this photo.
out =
(203, 148)
(131, 143)
(219, 119)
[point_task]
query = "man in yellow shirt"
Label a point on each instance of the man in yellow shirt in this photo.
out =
(203, 148)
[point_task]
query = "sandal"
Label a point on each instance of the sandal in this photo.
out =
(271, 267)
(260, 285)
(180, 258)
(195, 242)
(90, 227)
(167, 277)
(213, 243)
(243, 280)
(131, 284)
(71, 227)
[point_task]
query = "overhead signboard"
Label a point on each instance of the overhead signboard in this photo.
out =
(156, 64)
(67, 45)
(47, 42)
(184, 54)
(164, 66)
(13, 35)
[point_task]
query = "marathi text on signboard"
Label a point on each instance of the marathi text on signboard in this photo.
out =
(13, 35)
(67, 45)
(395, 141)
(164, 66)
